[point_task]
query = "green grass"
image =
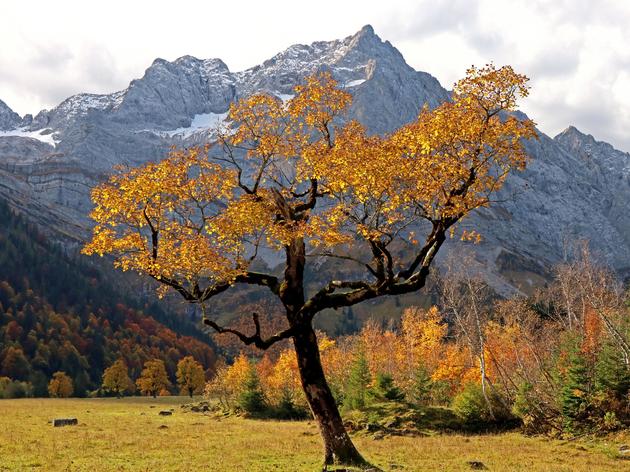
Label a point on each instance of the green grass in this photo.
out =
(128, 435)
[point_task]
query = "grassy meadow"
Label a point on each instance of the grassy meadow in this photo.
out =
(129, 435)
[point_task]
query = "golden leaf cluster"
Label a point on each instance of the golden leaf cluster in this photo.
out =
(297, 170)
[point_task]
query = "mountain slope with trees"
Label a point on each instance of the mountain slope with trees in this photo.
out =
(59, 313)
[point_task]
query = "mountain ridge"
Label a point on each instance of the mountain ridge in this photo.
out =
(48, 167)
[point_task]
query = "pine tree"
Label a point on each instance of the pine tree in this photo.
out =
(421, 386)
(384, 389)
(251, 399)
(358, 382)
(575, 389)
(611, 374)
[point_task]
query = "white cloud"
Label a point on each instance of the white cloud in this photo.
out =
(575, 51)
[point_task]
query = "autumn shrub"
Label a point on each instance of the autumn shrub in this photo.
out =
(479, 412)
(546, 377)
(14, 388)
(536, 415)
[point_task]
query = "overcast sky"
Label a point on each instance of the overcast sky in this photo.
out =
(577, 52)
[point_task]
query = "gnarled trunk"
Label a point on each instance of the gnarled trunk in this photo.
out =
(338, 447)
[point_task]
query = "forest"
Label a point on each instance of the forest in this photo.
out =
(59, 313)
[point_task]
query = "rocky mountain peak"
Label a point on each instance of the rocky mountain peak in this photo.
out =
(368, 41)
(8, 118)
(602, 154)
(572, 137)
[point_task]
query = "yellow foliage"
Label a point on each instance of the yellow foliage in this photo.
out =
(199, 214)
(453, 366)
(153, 379)
(116, 378)
(190, 375)
(284, 378)
(60, 386)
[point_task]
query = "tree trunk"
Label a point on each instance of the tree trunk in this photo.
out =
(338, 447)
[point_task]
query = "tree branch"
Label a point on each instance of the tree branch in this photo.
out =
(255, 339)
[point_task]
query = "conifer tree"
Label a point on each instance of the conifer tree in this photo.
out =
(575, 389)
(611, 374)
(252, 399)
(358, 383)
(420, 386)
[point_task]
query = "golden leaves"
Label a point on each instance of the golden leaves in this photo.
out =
(294, 170)
(157, 219)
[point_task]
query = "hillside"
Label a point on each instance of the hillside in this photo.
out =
(57, 312)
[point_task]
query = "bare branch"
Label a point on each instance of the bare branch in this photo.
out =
(256, 339)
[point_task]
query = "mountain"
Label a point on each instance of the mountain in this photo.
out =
(8, 118)
(574, 186)
(58, 313)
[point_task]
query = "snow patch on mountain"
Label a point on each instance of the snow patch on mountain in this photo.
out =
(354, 83)
(45, 136)
(285, 97)
(204, 122)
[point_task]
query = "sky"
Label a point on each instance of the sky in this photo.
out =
(576, 52)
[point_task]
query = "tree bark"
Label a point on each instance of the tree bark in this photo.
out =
(338, 447)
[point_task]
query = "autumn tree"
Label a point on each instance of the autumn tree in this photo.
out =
(191, 377)
(116, 378)
(590, 298)
(466, 297)
(295, 177)
(153, 378)
(60, 385)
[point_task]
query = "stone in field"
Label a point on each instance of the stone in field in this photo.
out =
(165, 413)
(57, 422)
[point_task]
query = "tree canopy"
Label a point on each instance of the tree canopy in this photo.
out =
(295, 170)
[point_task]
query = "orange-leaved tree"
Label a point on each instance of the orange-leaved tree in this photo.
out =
(297, 178)
(191, 377)
(116, 378)
(153, 378)
(60, 386)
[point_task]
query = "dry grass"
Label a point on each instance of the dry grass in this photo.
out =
(127, 435)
